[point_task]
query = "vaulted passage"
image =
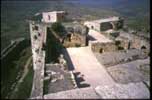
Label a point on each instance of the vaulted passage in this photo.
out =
(106, 26)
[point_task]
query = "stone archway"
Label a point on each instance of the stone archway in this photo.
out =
(143, 47)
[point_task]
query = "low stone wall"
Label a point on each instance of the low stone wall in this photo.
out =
(7, 49)
(12, 50)
(139, 42)
(111, 46)
(124, 44)
(123, 56)
(103, 47)
(136, 41)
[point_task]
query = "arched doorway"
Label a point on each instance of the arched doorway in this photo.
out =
(101, 50)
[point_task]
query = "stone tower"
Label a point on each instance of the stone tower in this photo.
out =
(38, 41)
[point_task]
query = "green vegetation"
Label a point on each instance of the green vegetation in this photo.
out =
(25, 87)
(46, 83)
(139, 24)
(58, 28)
(11, 68)
(54, 48)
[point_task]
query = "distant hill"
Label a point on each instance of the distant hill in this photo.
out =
(15, 12)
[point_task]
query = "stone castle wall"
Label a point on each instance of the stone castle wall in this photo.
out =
(38, 42)
(109, 46)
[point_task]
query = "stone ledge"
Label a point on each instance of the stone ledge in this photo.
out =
(116, 91)
(82, 93)
(124, 91)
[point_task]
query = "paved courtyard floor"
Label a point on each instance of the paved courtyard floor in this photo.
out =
(86, 63)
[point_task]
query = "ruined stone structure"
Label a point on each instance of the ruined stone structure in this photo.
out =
(103, 25)
(109, 28)
(132, 41)
(113, 43)
(121, 40)
(122, 43)
(103, 47)
(40, 50)
(140, 43)
(116, 45)
(76, 36)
